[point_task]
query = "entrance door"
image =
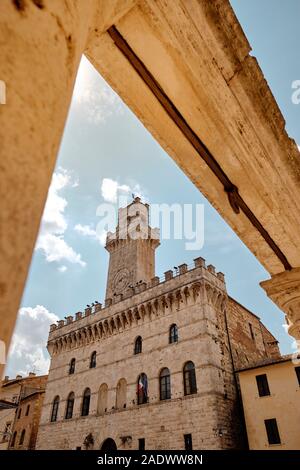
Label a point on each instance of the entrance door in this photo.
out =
(109, 444)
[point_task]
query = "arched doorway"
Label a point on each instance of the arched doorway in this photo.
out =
(109, 444)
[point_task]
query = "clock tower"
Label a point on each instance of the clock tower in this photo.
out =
(131, 249)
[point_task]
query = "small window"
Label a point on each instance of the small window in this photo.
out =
(72, 366)
(189, 378)
(142, 443)
(165, 384)
(272, 431)
(6, 432)
(142, 389)
(93, 360)
(55, 406)
(70, 406)
(19, 413)
(138, 345)
(86, 402)
(27, 410)
(13, 441)
(251, 331)
(21, 442)
(297, 370)
(262, 385)
(173, 334)
(188, 443)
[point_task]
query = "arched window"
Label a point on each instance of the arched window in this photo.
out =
(189, 378)
(93, 360)
(27, 410)
(86, 402)
(19, 413)
(165, 384)
(22, 437)
(121, 394)
(13, 441)
(138, 345)
(72, 366)
(70, 406)
(173, 334)
(55, 406)
(142, 389)
(102, 399)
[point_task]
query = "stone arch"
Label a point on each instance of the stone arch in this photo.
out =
(108, 444)
(102, 399)
(121, 394)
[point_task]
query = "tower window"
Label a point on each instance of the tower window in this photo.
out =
(173, 333)
(19, 413)
(27, 410)
(272, 431)
(72, 366)
(21, 442)
(55, 406)
(165, 384)
(13, 441)
(93, 360)
(142, 389)
(262, 385)
(251, 331)
(189, 378)
(70, 406)
(86, 402)
(138, 345)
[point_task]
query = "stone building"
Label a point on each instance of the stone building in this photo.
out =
(20, 410)
(270, 392)
(153, 368)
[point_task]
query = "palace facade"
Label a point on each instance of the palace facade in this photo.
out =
(154, 368)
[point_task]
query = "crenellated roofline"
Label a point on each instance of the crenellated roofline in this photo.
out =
(155, 300)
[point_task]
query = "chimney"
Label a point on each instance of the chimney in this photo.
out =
(31, 374)
(18, 376)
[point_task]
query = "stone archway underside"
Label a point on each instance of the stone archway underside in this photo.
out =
(198, 55)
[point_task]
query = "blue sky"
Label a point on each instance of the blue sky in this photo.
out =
(103, 140)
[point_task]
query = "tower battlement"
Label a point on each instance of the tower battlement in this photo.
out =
(172, 279)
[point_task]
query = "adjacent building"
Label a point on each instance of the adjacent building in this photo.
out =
(154, 368)
(20, 410)
(271, 399)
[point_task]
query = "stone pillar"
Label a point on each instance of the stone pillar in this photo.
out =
(41, 47)
(284, 290)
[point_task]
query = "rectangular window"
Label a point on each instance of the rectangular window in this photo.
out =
(142, 443)
(188, 443)
(251, 331)
(262, 385)
(297, 370)
(272, 431)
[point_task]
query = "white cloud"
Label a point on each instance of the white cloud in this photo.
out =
(112, 192)
(111, 189)
(54, 224)
(88, 231)
(62, 268)
(55, 248)
(93, 96)
(28, 352)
